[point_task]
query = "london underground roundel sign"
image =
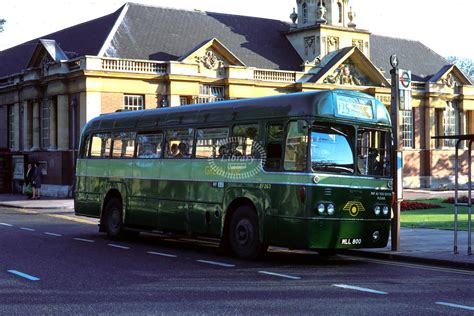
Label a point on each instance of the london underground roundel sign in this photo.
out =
(404, 79)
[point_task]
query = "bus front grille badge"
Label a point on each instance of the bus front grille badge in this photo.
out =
(354, 207)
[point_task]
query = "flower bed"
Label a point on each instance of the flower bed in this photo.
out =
(461, 199)
(413, 205)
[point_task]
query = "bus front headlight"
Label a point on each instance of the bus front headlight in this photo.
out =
(385, 210)
(377, 210)
(321, 208)
(331, 209)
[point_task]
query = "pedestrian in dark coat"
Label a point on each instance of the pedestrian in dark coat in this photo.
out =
(36, 181)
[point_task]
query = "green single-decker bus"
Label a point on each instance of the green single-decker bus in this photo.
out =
(307, 170)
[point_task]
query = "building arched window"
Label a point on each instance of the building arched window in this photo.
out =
(304, 9)
(339, 5)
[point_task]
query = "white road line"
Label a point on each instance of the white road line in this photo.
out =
(85, 240)
(53, 234)
(357, 288)
(28, 229)
(24, 275)
(221, 264)
(5, 224)
(469, 308)
(118, 246)
(280, 275)
(161, 254)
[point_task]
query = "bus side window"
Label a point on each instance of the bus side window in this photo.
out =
(84, 150)
(100, 146)
(149, 145)
(211, 142)
(244, 138)
(123, 145)
(179, 143)
(274, 147)
(296, 146)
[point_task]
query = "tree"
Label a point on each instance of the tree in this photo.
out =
(465, 64)
(2, 21)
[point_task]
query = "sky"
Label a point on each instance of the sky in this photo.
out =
(444, 26)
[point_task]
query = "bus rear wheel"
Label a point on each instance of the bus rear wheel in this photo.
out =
(113, 218)
(243, 233)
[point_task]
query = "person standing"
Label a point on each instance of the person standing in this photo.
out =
(36, 182)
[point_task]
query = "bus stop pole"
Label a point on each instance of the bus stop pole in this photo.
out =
(394, 104)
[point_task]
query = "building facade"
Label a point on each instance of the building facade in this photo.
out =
(143, 57)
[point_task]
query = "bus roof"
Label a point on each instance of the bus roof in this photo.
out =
(302, 104)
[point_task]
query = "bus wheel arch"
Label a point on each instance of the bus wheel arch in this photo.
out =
(241, 232)
(111, 219)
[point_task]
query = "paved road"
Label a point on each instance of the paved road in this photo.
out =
(52, 264)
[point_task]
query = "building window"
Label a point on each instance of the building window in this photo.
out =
(133, 102)
(209, 94)
(407, 129)
(185, 100)
(304, 8)
(11, 127)
(45, 124)
(450, 123)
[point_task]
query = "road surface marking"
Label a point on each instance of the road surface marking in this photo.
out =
(24, 275)
(469, 308)
(5, 224)
(85, 240)
(26, 211)
(118, 246)
(412, 265)
(161, 254)
(72, 218)
(351, 287)
(53, 234)
(280, 275)
(221, 264)
(28, 229)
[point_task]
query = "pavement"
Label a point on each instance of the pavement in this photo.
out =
(424, 246)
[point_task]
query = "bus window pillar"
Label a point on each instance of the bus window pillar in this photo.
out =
(63, 122)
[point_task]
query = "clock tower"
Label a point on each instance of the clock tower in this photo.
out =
(321, 27)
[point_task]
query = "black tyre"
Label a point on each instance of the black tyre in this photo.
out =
(243, 233)
(112, 220)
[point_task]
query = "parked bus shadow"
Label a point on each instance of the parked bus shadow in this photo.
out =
(177, 244)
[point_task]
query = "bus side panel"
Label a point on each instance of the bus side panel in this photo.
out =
(251, 192)
(96, 184)
(92, 175)
(173, 192)
(143, 198)
(290, 233)
(81, 205)
(206, 194)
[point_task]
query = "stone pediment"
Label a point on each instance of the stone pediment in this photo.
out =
(349, 67)
(46, 51)
(211, 55)
(450, 76)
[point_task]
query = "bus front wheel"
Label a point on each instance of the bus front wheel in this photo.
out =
(113, 218)
(243, 233)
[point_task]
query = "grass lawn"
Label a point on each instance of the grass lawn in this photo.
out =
(439, 218)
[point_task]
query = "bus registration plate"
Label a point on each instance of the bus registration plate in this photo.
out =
(351, 241)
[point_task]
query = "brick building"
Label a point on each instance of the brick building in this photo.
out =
(143, 57)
